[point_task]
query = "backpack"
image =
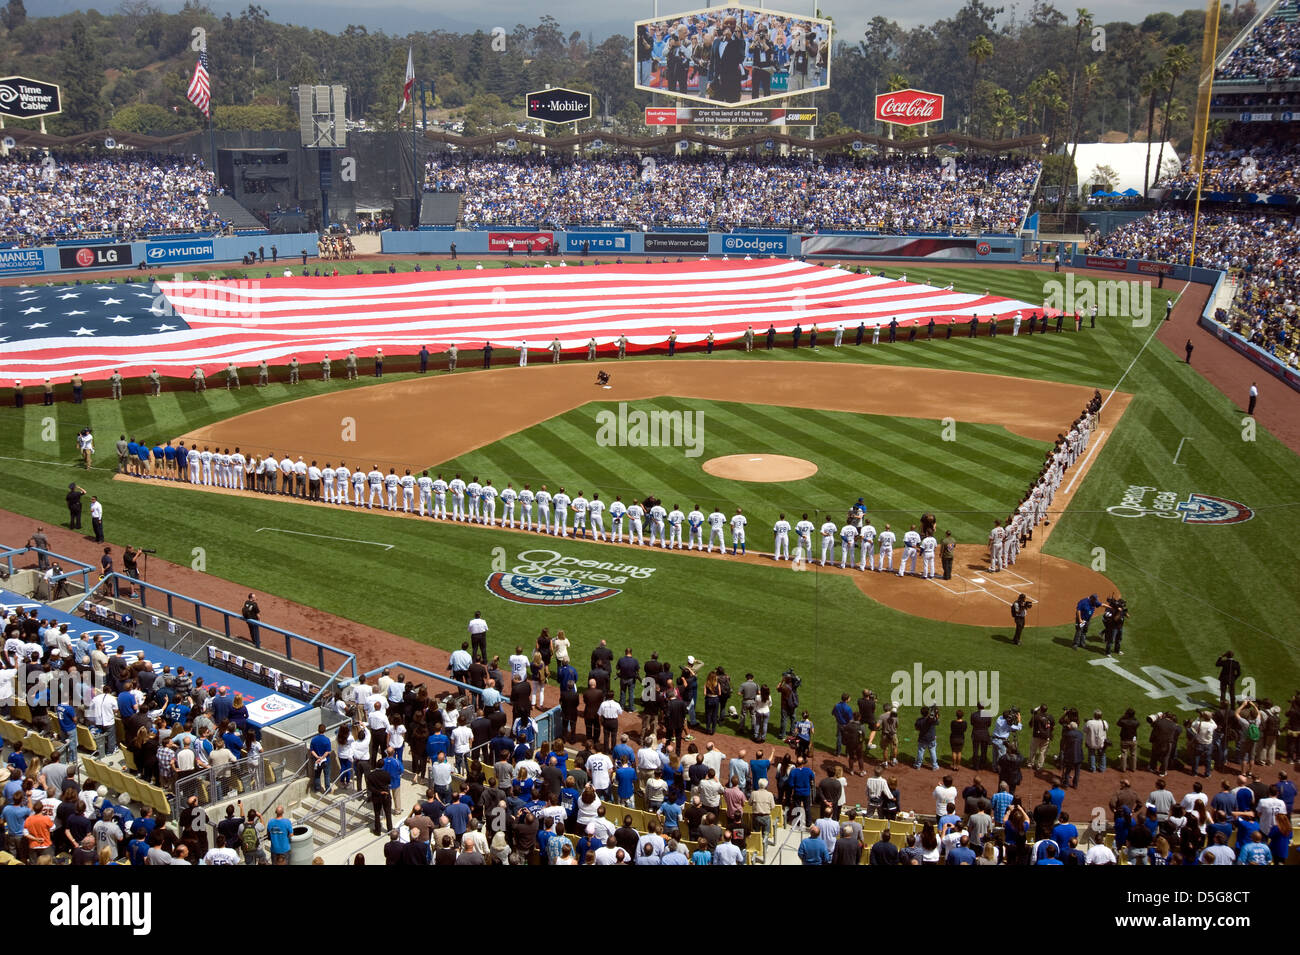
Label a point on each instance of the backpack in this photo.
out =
(1252, 731)
(248, 838)
(724, 685)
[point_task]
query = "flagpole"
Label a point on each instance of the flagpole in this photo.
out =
(415, 165)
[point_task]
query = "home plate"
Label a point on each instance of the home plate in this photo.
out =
(977, 580)
(607, 387)
(756, 459)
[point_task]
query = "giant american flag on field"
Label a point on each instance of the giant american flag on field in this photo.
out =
(55, 331)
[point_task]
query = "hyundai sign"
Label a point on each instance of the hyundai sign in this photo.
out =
(190, 250)
(559, 105)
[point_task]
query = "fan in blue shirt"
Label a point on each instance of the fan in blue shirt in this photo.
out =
(437, 743)
(758, 769)
(672, 813)
(394, 770)
(800, 781)
(812, 851)
(1062, 833)
(458, 815)
(961, 855)
(626, 777)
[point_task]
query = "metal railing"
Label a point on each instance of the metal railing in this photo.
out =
(82, 570)
(246, 775)
(304, 650)
(350, 813)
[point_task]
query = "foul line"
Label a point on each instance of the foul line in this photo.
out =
(1186, 285)
(1179, 451)
(350, 540)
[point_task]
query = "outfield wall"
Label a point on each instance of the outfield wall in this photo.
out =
(66, 258)
(670, 242)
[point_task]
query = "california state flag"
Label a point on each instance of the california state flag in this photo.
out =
(410, 80)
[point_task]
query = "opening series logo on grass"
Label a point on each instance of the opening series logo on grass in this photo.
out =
(535, 582)
(1197, 509)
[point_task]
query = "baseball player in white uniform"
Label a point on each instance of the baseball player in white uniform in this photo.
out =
(426, 494)
(375, 478)
(616, 512)
(803, 533)
(781, 539)
(597, 510)
(195, 461)
(868, 535)
(526, 498)
(472, 491)
(580, 504)
(457, 498)
(391, 482)
(206, 458)
(634, 514)
(829, 530)
(996, 537)
(1011, 541)
(1015, 324)
(561, 502)
(237, 463)
(543, 511)
(327, 482)
(342, 477)
(675, 520)
(911, 544)
(657, 515)
(488, 496)
(408, 492)
(508, 497)
(439, 498)
(358, 487)
(695, 523)
(717, 520)
(928, 546)
(848, 544)
(887, 539)
(738, 522)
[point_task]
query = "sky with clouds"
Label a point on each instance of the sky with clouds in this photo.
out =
(599, 17)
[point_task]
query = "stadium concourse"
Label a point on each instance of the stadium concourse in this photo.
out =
(1163, 819)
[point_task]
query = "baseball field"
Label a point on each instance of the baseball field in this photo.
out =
(909, 427)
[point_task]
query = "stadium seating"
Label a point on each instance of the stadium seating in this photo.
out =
(1271, 52)
(892, 194)
(45, 198)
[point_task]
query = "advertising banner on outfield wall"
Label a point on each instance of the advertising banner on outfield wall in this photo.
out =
(1268, 362)
(187, 250)
(95, 257)
(1098, 262)
(13, 261)
(904, 246)
(758, 244)
(589, 242)
(677, 243)
(524, 241)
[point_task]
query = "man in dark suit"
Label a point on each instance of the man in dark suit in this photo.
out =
(726, 59)
(675, 721)
(1071, 755)
(981, 738)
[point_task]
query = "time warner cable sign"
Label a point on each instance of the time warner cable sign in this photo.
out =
(25, 98)
(559, 105)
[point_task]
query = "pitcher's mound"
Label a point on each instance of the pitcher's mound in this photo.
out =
(760, 467)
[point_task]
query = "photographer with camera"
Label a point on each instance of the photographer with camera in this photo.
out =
(1020, 608)
(926, 736)
(763, 58)
(1007, 724)
(1112, 623)
(1041, 726)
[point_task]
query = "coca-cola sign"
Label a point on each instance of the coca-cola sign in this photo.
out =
(909, 107)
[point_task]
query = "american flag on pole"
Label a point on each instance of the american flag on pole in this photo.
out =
(410, 79)
(174, 326)
(200, 91)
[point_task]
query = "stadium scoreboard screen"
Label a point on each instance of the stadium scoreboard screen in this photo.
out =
(732, 54)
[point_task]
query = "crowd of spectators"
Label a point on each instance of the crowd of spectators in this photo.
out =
(894, 194)
(1259, 249)
(494, 794)
(1271, 52)
(1247, 160)
(46, 197)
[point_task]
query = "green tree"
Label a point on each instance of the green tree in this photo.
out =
(257, 118)
(152, 120)
(1177, 62)
(15, 14)
(980, 49)
(83, 78)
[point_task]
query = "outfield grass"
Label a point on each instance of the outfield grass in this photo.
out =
(1194, 590)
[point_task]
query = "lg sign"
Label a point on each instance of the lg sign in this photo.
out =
(909, 107)
(95, 256)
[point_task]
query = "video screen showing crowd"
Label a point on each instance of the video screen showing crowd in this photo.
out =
(731, 54)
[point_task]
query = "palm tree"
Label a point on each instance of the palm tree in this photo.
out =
(1082, 27)
(1091, 76)
(1151, 86)
(1177, 62)
(980, 50)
